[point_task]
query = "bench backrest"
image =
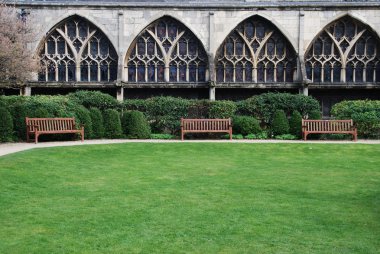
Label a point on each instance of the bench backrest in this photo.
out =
(205, 124)
(327, 125)
(50, 124)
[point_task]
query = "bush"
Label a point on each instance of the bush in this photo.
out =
(40, 112)
(280, 124)
(6, 125)
(135, 125)
(112, 124)
(83, 118)
(95, 99)
(161, 136)
(364, 113)
(295, 124)
(315, 115)
(261, 135)
(245, 125)
(97, 123)
(286, 137)
(222, 109)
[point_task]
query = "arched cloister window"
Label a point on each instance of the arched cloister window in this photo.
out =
(166, 51)
(345, 51)
(256, 51)
(76, 50)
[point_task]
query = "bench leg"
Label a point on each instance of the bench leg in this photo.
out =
(82, 134)
(36, 137)
(305, 136)
(182, 136)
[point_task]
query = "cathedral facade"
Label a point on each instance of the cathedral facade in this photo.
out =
(208, 49)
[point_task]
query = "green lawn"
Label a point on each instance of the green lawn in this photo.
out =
(191, 197)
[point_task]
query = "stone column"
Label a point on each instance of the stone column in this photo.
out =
(26, 91)
(211, 59)
(301, 71)
(120, 93)
(120, 37)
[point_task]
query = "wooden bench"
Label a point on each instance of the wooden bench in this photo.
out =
(205, 125)
(38, 126)
(328, 126)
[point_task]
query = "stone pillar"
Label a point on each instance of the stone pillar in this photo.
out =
(120, 93)
(120, 37)
(211, 66)
(305, 90)
(26, 91)
(301, 71)
(211, 92)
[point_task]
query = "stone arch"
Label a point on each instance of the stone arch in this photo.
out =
(256, 51)
(166, 51)
(77, 50)
(346, 50)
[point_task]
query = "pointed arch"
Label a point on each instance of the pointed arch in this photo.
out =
(346, 50)
(256, 51)
(166, 51)
(77, 50)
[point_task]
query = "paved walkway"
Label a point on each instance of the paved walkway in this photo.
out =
(8, 148)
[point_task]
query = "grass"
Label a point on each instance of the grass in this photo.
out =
(191, 197)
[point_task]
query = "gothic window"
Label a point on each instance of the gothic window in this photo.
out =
(256, 51)
(345, 51)
(77, 51)
(166, 51)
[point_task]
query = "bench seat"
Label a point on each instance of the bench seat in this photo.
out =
(206, 126)
(328, 127)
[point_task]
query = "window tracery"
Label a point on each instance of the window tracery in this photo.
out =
(345, 51)
(167, 51)
(256, 51)
(78, 51)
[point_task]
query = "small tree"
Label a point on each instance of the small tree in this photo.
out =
(295, 123)
(135, 125)
(6, 125)
(280, 124)
(246, 125)
(112, 124)
(97, 123)
(83, 117)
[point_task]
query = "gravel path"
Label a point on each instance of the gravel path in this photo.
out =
(7, 148)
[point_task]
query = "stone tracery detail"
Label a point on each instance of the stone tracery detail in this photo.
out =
(345, 51)
(256, 51)
(76, 50)
(166, 51)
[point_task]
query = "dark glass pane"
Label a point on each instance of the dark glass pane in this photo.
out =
(192, 48)
(318, 47)
(239, 48)
(248, 72)
(201, 73)
(229, 73)
(103, 72)
(94, 48)
(369, 73)
(344, 45)
(280, 72)
(51, 47)
(239, 73)
(83, 30)
(192, 73)
(71, 29)
(280, 48)
(249, 30)
(94, 72)
(160, 73)
(62, 72)
(270, 72)
(360, 45)
(350, 29)
(113, 72)
(132, 73)
(270, 47)
(182, 47)
(260, 30)
(377, 78)
(182, 73)
(327, 73)
(84, 73)
(172, 31)
(260, 72)
(289, 72)
(151, 73)
(317, 72)
(337, 72)
(255, 45)
(71, 72)
(141, 73)
(77, 45)
(339, 30)
(104, 48)
(173, 73)
(220, 73)
(150, 47)
(327, 47)
(61, 47)
(141, 47)
(51, 72)
(161, 30)
(167, 46)
(309, 70)
(371, 45)
(229, 48)
(359, 73)
(349, 73)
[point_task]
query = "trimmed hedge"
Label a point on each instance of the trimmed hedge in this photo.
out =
(295, 124)
(135, 125)
(280, 124)
(112, 124)
(364, 113)
(83, 117)
(97, 123)
(246, 125)
(95, 99)
(6, 125)
(222, 109)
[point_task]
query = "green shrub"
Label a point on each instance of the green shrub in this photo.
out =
(199, 109)
(112, 124)
(286, 137)
(295, 124)
(135, 125)
(261, 135)
(364, 113)
(246, 125)
(83, 118)
(97, 123)
(280, 124)
(222, 109)
(161, 136)
(234, 136)
(315, 115)
(6, 125)
(40, 112)
(136, 104)
(95, 99)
